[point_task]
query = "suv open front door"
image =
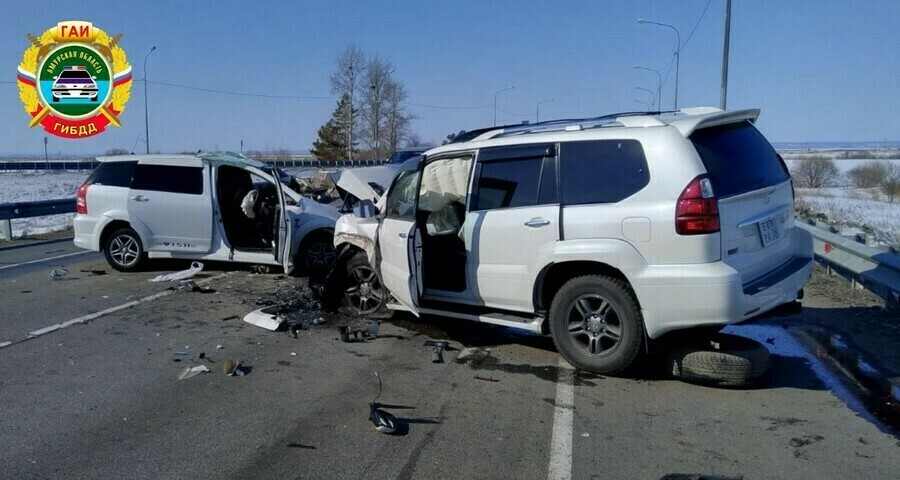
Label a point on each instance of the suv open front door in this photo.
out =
(399, 246)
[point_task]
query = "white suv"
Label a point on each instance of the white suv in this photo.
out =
(197, 207)
(606, 232)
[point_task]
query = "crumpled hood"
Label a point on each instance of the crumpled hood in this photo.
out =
(358, 181)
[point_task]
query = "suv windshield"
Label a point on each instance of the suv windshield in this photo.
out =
(738, 158)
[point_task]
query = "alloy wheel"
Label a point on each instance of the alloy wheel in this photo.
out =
(594, 325)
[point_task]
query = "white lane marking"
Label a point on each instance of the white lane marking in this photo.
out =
(4, 344)
(563, 414)
(95, 315)
(44, 259)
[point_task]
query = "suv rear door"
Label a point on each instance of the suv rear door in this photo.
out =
(170, 203)
(755, 201)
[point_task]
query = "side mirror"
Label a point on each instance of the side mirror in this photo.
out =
(55, 77)
(365, 209)
(94, 77)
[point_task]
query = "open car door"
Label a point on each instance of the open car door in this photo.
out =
(399, 248)
(283, 229)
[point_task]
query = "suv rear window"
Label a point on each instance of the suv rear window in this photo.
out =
(738, 158)
(601, 171)
(112, 174)
(168, 178)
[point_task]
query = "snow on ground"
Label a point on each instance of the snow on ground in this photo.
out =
(857, 207)
(33, 186)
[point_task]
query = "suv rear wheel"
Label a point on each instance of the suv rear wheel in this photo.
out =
(596, 324)
(124, 251)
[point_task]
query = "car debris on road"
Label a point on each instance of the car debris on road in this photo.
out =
(189, 372)
(196, 267)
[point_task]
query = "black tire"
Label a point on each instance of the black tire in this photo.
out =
(316, 254)
(720, 360)
(611, 336)
(363, 294)
(124, 250)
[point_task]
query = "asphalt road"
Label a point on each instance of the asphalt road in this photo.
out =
(102, 399)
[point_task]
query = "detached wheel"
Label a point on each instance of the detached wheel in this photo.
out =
(317, 253)
(596, 324)
(363, 293)
(721, 360)
(124, 251)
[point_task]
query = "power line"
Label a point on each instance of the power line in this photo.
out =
(514, 113)
(696, 25)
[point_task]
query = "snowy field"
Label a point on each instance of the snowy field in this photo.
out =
(32, 186)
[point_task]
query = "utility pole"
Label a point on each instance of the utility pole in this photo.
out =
(46, 157)
(723, 99)
(146, 101)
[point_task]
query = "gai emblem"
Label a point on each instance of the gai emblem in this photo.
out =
(74, 80)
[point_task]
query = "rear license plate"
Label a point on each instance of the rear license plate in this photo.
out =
(768, 231)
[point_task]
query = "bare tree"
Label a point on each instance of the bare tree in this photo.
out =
(351, 64)
(414, 140)
(890, 184)
(372, 91)
(816, 171)
(868, 174)
(397, 118)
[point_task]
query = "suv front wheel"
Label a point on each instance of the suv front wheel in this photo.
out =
(596, 324)
(124, 251)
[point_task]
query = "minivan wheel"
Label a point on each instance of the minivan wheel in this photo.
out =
(124, 251)
(363, 293)
(596, 324)
(317, 253)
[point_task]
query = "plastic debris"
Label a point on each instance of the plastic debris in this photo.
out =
(233, 368)
(181, 353)
(193, 371)
(384, 422)
(59, 274)
(196, 267)
(267, 318)
(219, 347)
(437, 350)
(293, 354)
(191, 286)
(585, 435)
(351, 336)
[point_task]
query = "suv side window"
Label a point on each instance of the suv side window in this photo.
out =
(510, 177)
(168, 178)
(401, 201)
(113, 174)
(601, 171)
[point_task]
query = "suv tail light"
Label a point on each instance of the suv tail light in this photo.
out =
(697, 211)
(81, 199)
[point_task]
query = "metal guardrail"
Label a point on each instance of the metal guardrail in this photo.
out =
(79, 165)
(10, 211)
(876, 269)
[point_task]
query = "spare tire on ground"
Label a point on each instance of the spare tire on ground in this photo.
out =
(720, 360)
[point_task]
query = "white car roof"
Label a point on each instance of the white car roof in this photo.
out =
(686, 120)
(214, 158)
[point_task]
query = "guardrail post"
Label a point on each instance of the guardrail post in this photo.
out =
(6, 229)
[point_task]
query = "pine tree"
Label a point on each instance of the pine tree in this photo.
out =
(333, 136)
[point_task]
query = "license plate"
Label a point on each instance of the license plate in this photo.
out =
(768, 231)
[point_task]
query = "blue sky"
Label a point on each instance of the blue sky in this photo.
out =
(819, 70)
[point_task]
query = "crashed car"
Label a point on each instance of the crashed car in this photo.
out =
(217, 206)
(608, 233)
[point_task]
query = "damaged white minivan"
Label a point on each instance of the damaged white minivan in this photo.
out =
(217, 206)
(607, 233)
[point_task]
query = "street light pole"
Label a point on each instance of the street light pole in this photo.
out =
(537, 109)
(677, 52)
(723, 99)
(642, 103)
(658, 85)
(146, 97)
(495, 100)
(652, 95)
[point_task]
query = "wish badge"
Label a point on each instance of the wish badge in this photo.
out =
(74, 80)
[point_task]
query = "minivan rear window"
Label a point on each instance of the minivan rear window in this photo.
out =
(168, 178)
(738, 158)
(112, 174)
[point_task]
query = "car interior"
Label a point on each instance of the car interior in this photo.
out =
(441, 211)
(249, 223)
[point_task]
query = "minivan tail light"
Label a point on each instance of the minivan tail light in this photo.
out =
(81, 199)
(697, 211)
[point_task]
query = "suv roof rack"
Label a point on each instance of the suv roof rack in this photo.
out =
(564, 124)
